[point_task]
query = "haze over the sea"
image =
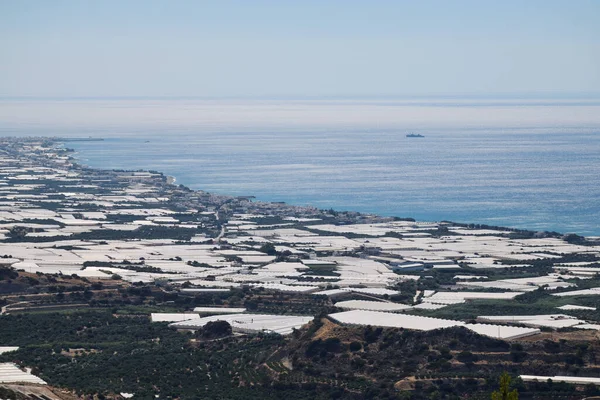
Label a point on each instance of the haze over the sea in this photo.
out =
(526, 163)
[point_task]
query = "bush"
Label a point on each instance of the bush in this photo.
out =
(355, 346)
(215, 329)
(466, 357)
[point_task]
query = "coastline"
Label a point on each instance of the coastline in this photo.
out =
(446, 176)
(136, 233)
(171, 179)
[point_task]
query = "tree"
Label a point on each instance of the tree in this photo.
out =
(355, 346)
(268, 248)
(215, 329)
(503, 393)
(574, 239)
(18, 232)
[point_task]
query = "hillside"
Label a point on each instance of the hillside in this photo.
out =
(445, 363)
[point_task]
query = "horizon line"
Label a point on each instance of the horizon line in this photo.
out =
(433, 96)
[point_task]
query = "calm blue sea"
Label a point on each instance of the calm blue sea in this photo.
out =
(538, 177)
(545, 181)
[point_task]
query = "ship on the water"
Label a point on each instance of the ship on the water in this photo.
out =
(414, 135)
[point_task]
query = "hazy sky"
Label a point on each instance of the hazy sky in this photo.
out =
(301, 48)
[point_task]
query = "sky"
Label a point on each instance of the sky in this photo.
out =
(299, 49)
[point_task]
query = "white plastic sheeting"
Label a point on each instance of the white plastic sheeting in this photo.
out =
(414, 322)
(250, 323)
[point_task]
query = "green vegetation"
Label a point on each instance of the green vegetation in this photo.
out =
(504, 393)
(94, 352)
(214, 330)
(268, 248)
(143, 232)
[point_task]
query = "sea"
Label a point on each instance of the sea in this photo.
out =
(523, 163)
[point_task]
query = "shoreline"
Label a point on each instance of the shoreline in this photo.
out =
(173, 179)
(134, 226)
